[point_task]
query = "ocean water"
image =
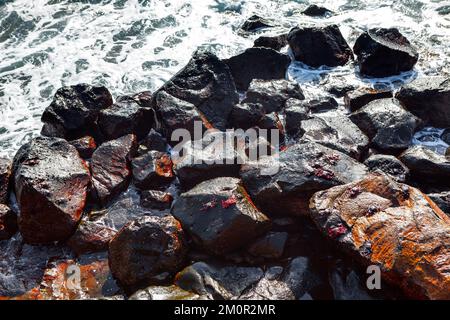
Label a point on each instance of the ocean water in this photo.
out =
(136, 45)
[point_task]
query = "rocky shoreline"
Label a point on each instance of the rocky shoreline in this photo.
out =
(99, 188)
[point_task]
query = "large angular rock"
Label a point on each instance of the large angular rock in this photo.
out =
(126, 116)
(5, 174)
(295, 112)
(336, 132)
(318, 46)
(283, 186)
(219, 215)
(8, 222)
(266, 64)
(50, 181)
(429, 99)
(85, 146)
(147, 251)
(270, 245)
(207, 83)
(274, 42)
(153, 141)
(90, 237)
(390, 165)
(387, 124)
(110, 167)
(246, 115)
(425, 164)
(254, 23)
(272, 94)
(74, 110)
(384, 52)
(152, 170)
(393, 226)
(155, 199)
(356, 99)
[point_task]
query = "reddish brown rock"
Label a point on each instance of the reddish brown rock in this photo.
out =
(392, 225)
(51, 183)
(85, 146)
(152, 170)
(91, 237)
(110, 167)
(5, 174)
(8, 222)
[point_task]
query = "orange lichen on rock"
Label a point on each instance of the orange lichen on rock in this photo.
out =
(391, 225)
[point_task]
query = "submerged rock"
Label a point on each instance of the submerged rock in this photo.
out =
(274, 42)
(85, 146)
(356, 99)
(110, 167)
(147, 251)
(393, 226)
(254, 23)
(390, 165)
(429, 99)
(219, 215)
(387, 124)
(74, 110)
(283, 186)
(50, 181)
(90, 237)
(205, 82)
(384, 52)
(267, 64)
(316, 11)
(8, 222)
(5, 175)
(272, 94)
(318, 46)
(152, 170)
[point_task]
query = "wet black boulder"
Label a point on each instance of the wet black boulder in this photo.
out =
(274, 42)
(266, 64)
(254, 23)
(318, 46)
(5, 174)
(8, 222)
(389, 165)
(74, 110)
(355, 99)
(85, 146)
(246, 115)
(269, 246)
(153, 141)
(295, 112)
(152, 170)
(429, 99)
(91, 237)
(384, 52)
(317, 11)
(147, 251)
(155, 199)
(219, 215)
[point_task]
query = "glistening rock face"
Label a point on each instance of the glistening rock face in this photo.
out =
(392, 225)
(50, 181)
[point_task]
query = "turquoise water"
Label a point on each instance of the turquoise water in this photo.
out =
(131, 46)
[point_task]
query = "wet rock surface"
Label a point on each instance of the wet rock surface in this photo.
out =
(155, 199)
(152, 170)
(219, 215)
(5, 175)
(207, 83)
(391, 225)
(85, 146)
(442, 200)
(388, 164)
(384, 52)
(317, 11)
(110, 167)
(8, 222)
(165, 293)
(428, 98)
(90, 237)
(267, 64)
(273, 94)
(246, 115)
(50, 181)
(147, 251)
(284, 187)
(387, 124)
(274, 42)
(74, 110)
(255, 23)
(356, 99)
(153, 141)
(317, 46)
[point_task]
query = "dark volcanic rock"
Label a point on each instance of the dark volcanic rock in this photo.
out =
(336, 132)
(153, 141)
(384, 52)
(152, 170)
(387, 124)
(322, 105)
(381, 222)
(85, 146)
(246, 115)
(269, 246)
(147, 251)
(8, 222)
(429, 99)
(110, 167)
(124, 117)
(356, 99)
(254, 23)
(316, 11)
(390, 165)
(425, 164)
(442, 200)
(273, 94)
(51, 183)
(295, 112)
(206, 159)
(274, 42)
(207, 83)
(74, 110)
(5, 174)
(445, 136)
(165, 293)
(219, 215)
(90, 237)
(317, 46)
(154, 199)
(283, 186)
(266, 64)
